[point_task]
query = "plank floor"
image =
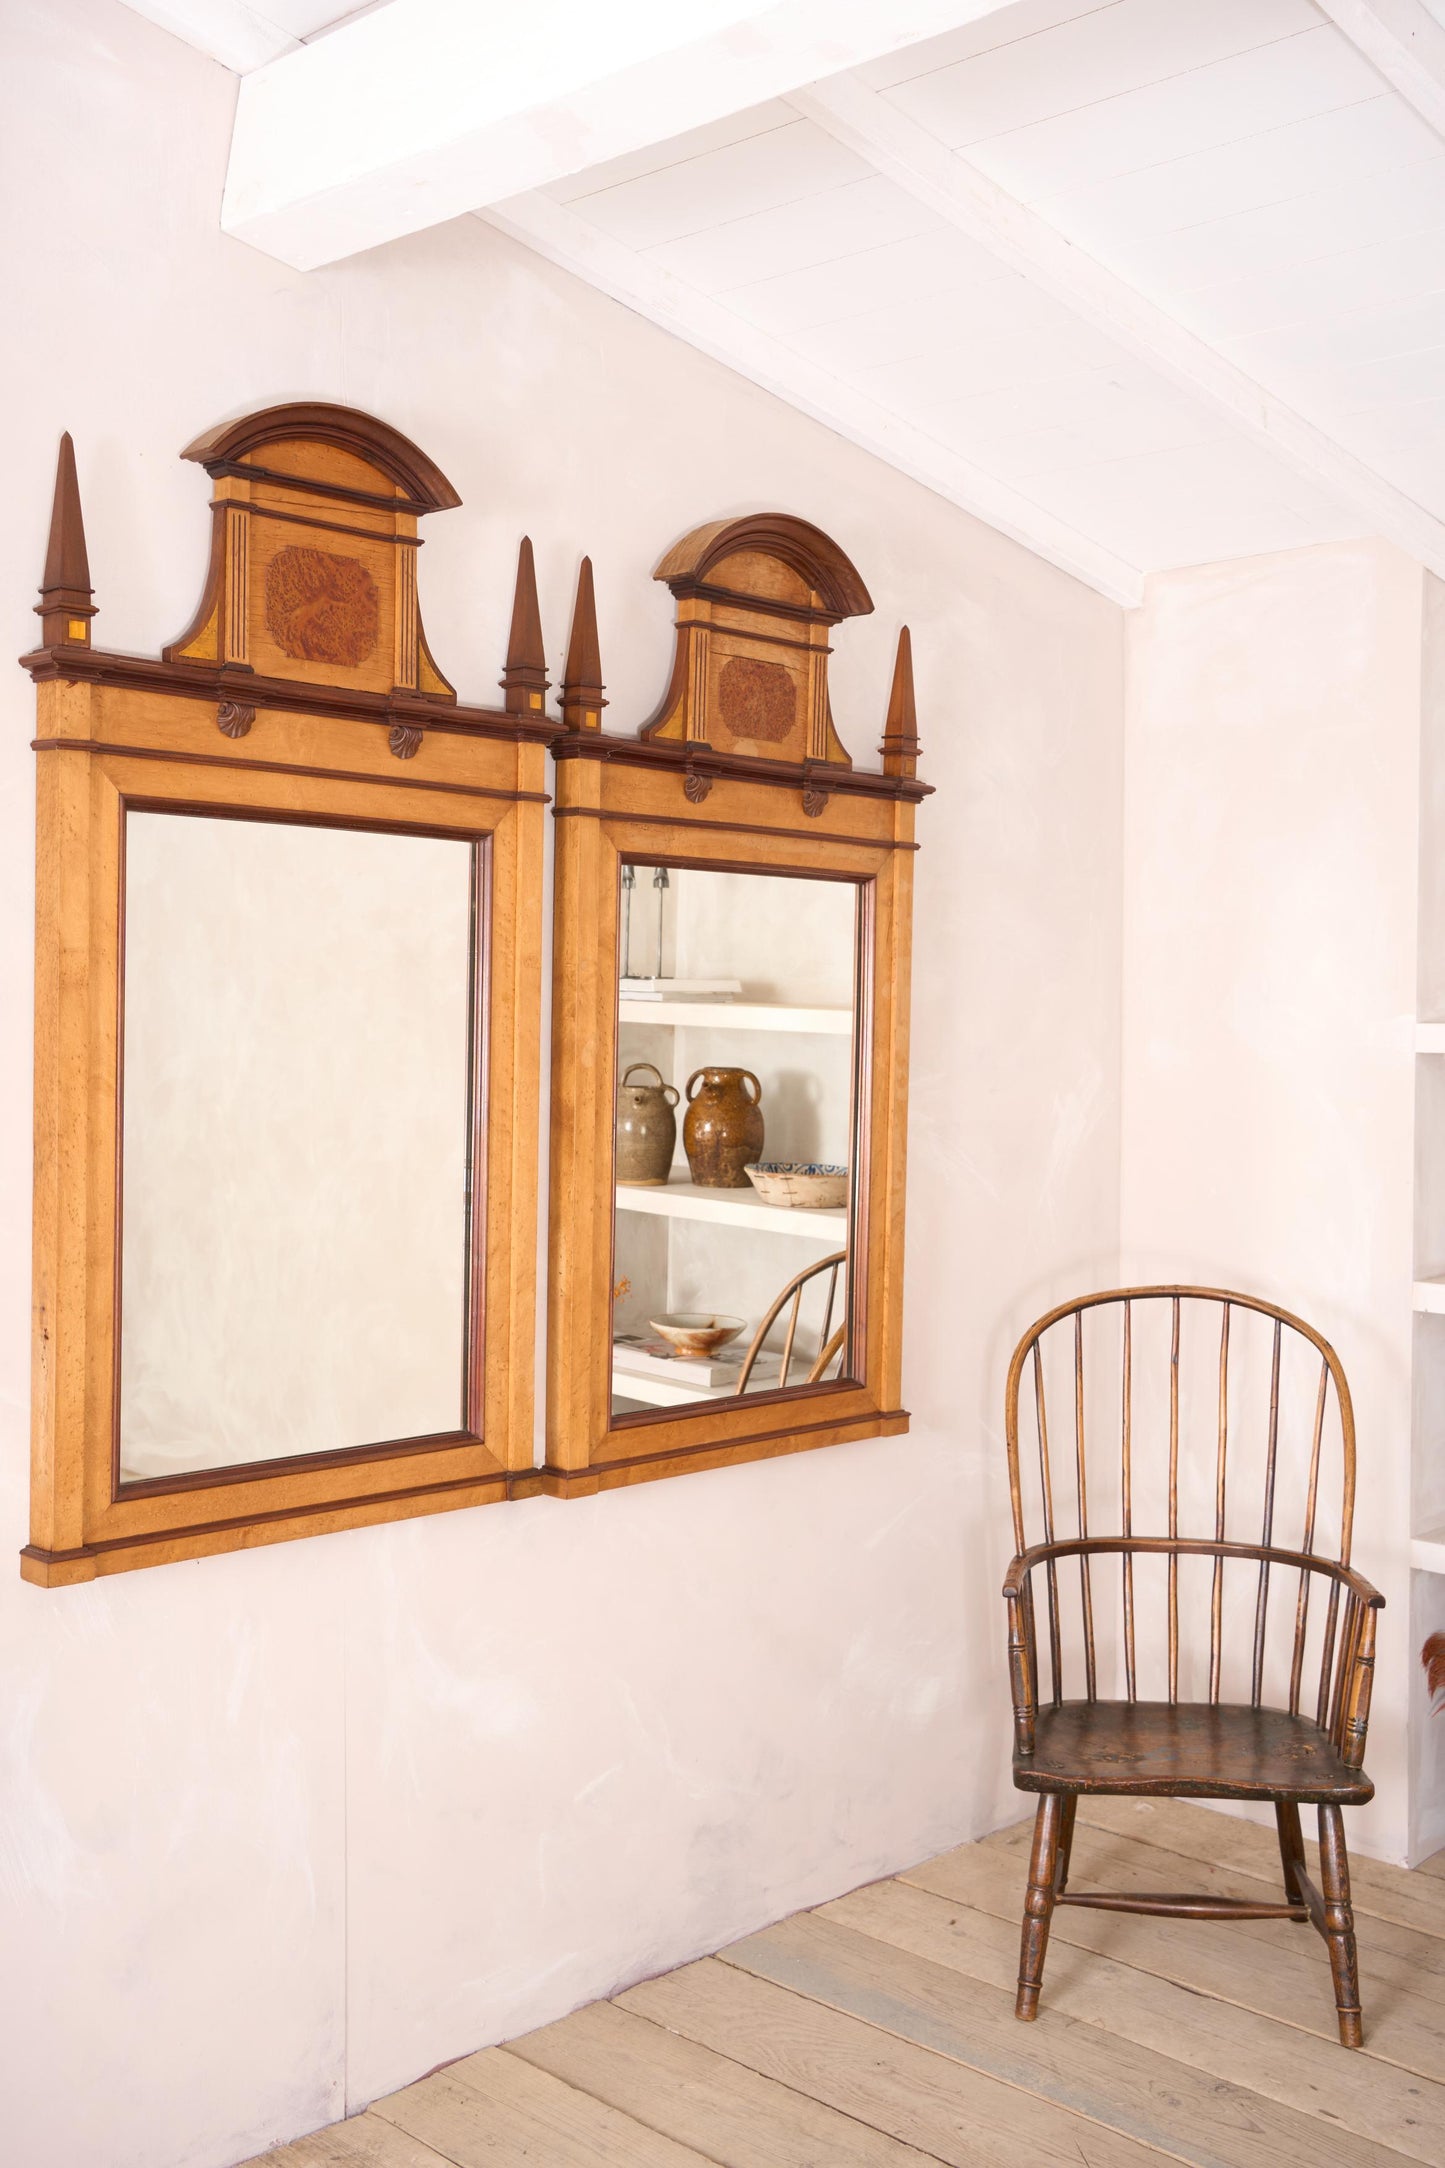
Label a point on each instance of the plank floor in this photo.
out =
(878, 2032)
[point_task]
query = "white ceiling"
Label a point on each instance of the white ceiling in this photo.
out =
(1146, 283)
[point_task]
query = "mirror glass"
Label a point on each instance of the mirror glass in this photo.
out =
(296, 1139)
(736, 1127)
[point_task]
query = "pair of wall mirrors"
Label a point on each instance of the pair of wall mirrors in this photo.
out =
(290, 908)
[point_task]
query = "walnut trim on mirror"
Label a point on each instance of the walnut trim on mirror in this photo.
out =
(736, 772)
(303, 675)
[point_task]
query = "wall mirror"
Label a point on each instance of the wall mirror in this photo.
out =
(736, 1134)
(289, 907)
(299, 1123)
(730, 1034)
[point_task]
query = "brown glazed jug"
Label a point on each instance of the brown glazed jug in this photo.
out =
(646, 1129)
(723, 1127)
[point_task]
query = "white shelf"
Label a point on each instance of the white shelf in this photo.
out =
(1430, 1295)
(1430, 1038)
(1427, 1553)
(740, 1208)
(739, 1016)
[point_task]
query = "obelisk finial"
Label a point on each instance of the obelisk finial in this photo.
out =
(524, 681)
(582, 701)
(900, 732)
(65, 608)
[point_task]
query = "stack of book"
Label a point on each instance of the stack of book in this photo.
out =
(645, 1356)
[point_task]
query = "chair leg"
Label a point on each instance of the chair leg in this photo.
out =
(1291, 1850)
(1066, 1843)
(1340, 1924)
(1039, 1902)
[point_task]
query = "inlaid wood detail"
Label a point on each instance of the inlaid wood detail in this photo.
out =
(756, 699)
(321, 607)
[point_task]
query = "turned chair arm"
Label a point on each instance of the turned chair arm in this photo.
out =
(1344, 1710)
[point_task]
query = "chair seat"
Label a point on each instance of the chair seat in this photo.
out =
(1187, 1750)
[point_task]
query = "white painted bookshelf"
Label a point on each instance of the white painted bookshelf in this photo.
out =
(737, 1016)
(1427, 1552)
(735, 1208)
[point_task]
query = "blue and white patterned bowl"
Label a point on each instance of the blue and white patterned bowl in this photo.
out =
(808, 1185)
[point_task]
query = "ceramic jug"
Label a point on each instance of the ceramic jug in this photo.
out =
(723, 1127)
(646, 1129)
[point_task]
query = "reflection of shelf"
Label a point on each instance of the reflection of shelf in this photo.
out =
(738, 1016)
(666, 1392)
(738, 1208)
(1430, 1295)
(1428, 1552)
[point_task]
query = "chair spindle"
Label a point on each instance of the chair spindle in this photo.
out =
(1261, 1606)
(1216, 1601)
(1302, 1605)
(1086, 1587)
(1056, 1663)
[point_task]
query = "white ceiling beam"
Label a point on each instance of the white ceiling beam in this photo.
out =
(237, 34)
(424, 109)
(559, 234)
(910, 156)
(1405, 42)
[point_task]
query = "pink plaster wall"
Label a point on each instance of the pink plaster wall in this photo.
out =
(1272, 758)
(280, 1831)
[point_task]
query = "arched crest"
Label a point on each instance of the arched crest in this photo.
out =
(313, 550)
(400, 470)
(756, 597)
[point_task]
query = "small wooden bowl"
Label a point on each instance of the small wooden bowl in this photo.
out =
(697, 1332)
(808, 1185)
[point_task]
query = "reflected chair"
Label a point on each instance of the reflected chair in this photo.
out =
(830, 1339)
(1127, 1426)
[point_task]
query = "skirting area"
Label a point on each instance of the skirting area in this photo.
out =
(878, 2032)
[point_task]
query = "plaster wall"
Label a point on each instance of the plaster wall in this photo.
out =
(282, 1830)
(1272, 762)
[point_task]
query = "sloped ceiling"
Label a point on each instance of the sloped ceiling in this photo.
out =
(1145, 283)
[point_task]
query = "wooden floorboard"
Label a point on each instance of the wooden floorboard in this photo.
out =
(878, 2032)
(1282, 1973)
(941, 2106)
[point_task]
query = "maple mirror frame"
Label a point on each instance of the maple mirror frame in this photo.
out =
(308, 695)
(740, 771)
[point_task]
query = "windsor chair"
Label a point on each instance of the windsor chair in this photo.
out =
(831, 1337)
(1207, 1747)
